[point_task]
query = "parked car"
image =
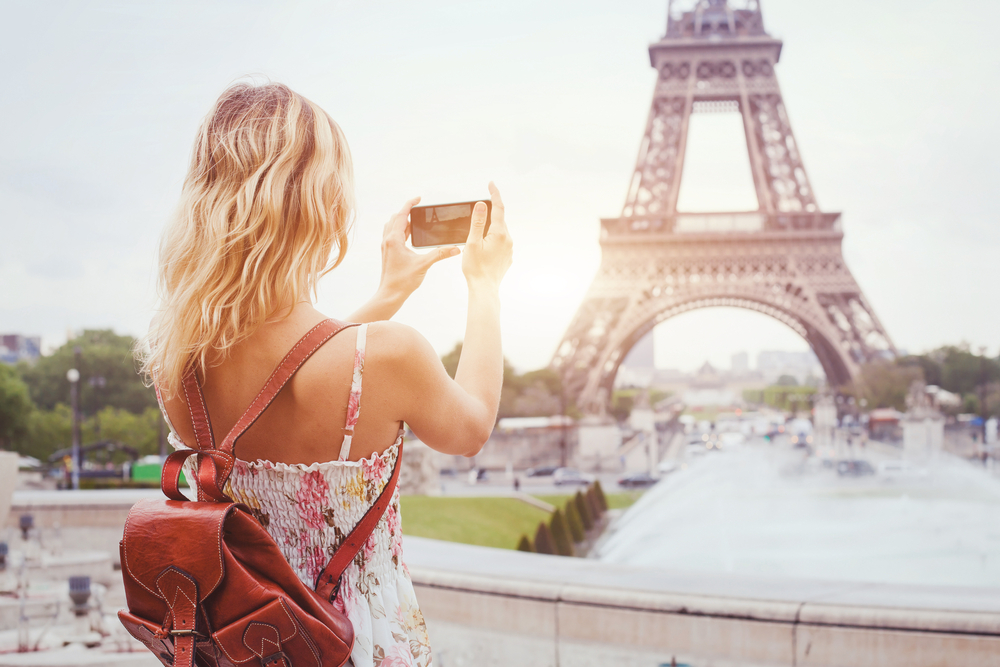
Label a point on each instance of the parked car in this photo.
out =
(695, 449)
(543, 471)
(893, 470)
(638, 480)
(667, 466)
(570, 476)
(854, 468)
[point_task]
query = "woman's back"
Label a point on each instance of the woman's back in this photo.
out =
(308, 508)
(305, 422)
(264, 214)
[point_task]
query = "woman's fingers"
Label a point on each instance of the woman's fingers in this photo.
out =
(432, 258)
(478, 223)
(399, 224)
(496, 217)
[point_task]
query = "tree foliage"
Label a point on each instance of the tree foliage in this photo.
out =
(561, 535)
(599, 492)
(103, 354)
(584, 510)
(532, 394)
(573, 521)
(884, 384)
(594, 504)
(15, 407)
(543, 540)
(48, 430)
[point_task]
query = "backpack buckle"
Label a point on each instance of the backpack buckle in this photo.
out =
(276, 660)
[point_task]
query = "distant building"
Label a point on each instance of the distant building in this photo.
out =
(773, 364)
(638, 366)
(15, 348)
(708, 387)
(642, 354)
(739, 363)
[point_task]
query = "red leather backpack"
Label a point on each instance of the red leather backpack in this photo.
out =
(207, 585)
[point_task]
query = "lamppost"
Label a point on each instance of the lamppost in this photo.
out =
(73, 375)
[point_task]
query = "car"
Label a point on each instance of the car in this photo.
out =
(667, 466)
(637, 480)
(854, 468)
(543, 471)
(893, 470)
(570, 476)
(695, 449)
(731, 438)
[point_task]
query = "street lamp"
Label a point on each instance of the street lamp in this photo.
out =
(73, 376)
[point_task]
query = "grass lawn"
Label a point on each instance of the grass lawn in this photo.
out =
(489, 522)
(616, 501)
(486, 521)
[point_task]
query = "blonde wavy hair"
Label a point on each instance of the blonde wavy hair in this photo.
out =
(269, 194)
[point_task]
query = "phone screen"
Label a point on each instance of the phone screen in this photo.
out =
(444, 224)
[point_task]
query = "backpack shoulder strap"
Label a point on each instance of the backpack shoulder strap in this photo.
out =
(354, 402)
(328, 582)
(307, 345)
(216, 463)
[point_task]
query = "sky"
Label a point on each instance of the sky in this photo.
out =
(893, 105)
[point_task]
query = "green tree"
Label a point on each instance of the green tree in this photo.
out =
(593, 504)
(622, 402)
(15, 408)
(543, 540)
(884, 384)
(787, 381)
(561, 535)
(581, 507)
(450, 360)
(573, 521)
(524, 544)
(599, 492)
(48, 430)
(103, 354)
(139, 431)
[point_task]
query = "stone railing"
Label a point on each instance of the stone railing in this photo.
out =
(494, 607)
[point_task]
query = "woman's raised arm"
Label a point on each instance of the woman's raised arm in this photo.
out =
(457, 416)
(402, 269)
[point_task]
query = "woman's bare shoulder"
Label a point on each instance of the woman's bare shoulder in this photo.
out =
(398, 346)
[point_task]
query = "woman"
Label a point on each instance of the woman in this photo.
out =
(264, 213)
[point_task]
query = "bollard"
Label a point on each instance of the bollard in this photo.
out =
(26, 523)
(79, 592)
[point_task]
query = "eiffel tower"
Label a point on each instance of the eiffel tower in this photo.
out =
(783, 260)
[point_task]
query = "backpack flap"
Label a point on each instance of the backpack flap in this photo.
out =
(162, 535)
(268, 635)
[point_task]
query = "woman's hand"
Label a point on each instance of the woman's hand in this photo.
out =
(487, 258)
(402, 269)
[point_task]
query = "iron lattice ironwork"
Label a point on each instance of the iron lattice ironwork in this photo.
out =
(783, 260)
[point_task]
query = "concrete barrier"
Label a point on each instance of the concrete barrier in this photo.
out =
(488, 606)
(497, 607)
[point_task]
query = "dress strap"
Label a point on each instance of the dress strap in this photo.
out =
(354, 402)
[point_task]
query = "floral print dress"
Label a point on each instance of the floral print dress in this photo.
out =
(309, 509)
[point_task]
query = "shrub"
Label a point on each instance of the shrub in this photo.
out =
(524, 544)
(573, 521)
(600, 495)
(543, 540)
(581, 507)
(593, 505)
(561, 535)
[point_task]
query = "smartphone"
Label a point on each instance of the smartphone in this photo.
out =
(444, 224)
